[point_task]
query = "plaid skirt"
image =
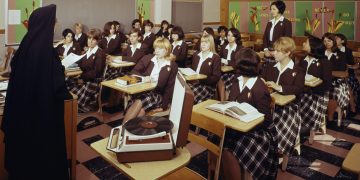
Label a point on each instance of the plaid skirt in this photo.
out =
(202, 92)
(227, 78)
(150, 100)
(354, 84)
(340, 92)
(112, 73)
(287, 121)
(256, 152)
(87, 93)
(313, 109)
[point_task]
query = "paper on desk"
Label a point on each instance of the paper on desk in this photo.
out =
(3, 85)
(187, 71)
(3, 94)
(71, 59)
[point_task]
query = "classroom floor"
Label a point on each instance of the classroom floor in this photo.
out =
(321, 160)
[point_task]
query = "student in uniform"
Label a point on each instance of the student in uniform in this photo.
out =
(149, 36)
(92, 65)
(163, 32)
(67, 45)
(80, 37)
(157, 67)
(277, 27)
(340, 90)
(136, 24)
(170, 28)
(341, 42)
(206, 31)
(179, 47)
(111, 42)
(208, 63)
(221, 39)
(314, 101)
(287, 78)
(133, 53)
(227, 55)
(255, 151)
(119, 33)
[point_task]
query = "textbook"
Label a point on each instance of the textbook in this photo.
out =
(312, 81)
(71, 59)
(187, 71)
(241, 111)
(129, 80)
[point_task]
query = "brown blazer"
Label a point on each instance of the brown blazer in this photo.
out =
(82, 41)
(292, 80)
(281, 29)
(92, 67)
(180, 52)
(75, 48)
(339, 61)
(258, 96)
(320, 68)
(166, 81)
(113, 47)
(138, 54)
(149, 41)
(224, 52)
(211, 67)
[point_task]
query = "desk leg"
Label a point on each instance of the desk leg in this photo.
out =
(126, 99)
(100, 102)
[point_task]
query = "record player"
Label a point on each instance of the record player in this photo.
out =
(151, 138)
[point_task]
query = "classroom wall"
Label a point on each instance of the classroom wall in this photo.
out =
(211, 11)
(2, 26)
(192, 19)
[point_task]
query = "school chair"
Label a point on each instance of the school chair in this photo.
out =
(245, 37)
(352, 159)
(213, 127)
(248, 44)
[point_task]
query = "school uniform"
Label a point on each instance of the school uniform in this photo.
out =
(92, 65)
(179, 50)
(352, 80)
(286, 119)
(64, 50)
(220, 42)
(149, 39)
(256, 150)
(132, 54)
(111, 44)
(81, 39)
(162, 33)
(314, 101)
(209, 66)
(165, 74)
(276, 29)
(340, 90)
(227, 55)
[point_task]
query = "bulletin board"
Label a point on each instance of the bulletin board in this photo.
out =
(17, 13)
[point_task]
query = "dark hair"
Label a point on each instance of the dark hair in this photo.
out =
(67, 31)
(237, 35)
(222, 28)
(107, 28)
(317, 49)
(137, 31)
(330, 36)
(148, 23)
(280, 5)
(170, 26)
(95, 34)
(135, 21)
(210, 31)
(116, 23)
(342, 37)
(179, 31)
(164, 22)
(247, 62)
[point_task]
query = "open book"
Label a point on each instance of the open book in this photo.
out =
(242, 111)
(129, 80)
(311, 80)
(187, 71)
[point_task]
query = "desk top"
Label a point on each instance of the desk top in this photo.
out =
(134, 89)
(73, 73)
(314, 83)
(282, 100)
(195, 77)
(340, 74)
(144, 170)
(3, 78)
(122, 64)
(200, 111)
(226, 68)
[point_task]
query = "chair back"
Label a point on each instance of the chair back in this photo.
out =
(8, 56)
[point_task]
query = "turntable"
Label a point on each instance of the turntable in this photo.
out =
(150, 138)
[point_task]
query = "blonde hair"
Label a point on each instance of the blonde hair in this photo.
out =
(285, 45)
(209, 39)
(78, 25)
(164, 43)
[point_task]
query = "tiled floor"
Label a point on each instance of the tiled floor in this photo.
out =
(321, 160)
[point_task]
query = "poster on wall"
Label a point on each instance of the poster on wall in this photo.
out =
(17, 13)
(143, 9)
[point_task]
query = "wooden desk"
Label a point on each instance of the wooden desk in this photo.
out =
(226, 68)
(122, 64)
(313, 83)
(73, 73)
(144, 170)
(200, 112)
(282, 100)
(3, 78)
(340, 74)
(195, 77)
